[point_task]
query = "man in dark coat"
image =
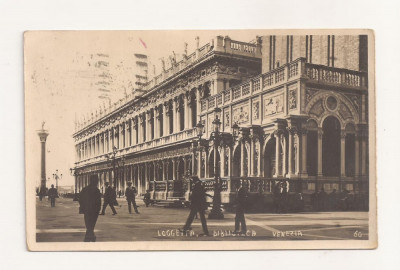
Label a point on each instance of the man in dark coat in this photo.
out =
(52, 193)
(130, 197)
(109, 199)
(241, 197)
(90, 204)
(197, 204)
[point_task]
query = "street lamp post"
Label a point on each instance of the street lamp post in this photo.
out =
(116, 165)
(57, 177)
(113, 163)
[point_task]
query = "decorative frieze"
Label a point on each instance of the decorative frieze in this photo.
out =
(273, 105)
(240, 114)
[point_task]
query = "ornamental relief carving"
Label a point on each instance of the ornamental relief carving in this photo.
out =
(317, 109)
(344, 111)
(256, 110)
(240, 114)
(273, 105)
(292, 99)
(227, 118)
(309, 94)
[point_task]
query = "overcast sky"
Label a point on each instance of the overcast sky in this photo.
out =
(60, 83)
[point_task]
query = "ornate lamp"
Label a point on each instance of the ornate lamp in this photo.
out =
(235, 130)
(199, 129)
(217, 124)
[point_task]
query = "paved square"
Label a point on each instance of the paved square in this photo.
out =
(63, 224)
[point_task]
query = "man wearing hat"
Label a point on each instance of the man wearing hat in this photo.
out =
(52, 193)
(108, 199)
(90, 203)
(241, 197)
(130, 197)
(197, 204)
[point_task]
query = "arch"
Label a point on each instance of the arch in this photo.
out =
(236, 161)
(181, 168)
(323, 96)
(269, 157)
(170, 170)
(331, 146)
(211, 172)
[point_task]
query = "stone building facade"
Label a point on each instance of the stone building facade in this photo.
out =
(303, 121)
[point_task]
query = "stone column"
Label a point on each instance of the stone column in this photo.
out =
(343, 153)
(320, 134)
(242, 149)
(175, 114)
(166, 118)
(156, 123)
(140, 128)
(206, 165)
(174, 169)
(357, 155)
(133, 132)
(278, 134)
(222, 161)
(198, 105)
(304, 172)
(364, 152)
(43, 137)
(199, 165)
(251, 158)
(291, 131)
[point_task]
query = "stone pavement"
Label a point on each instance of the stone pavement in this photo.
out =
(63, 224)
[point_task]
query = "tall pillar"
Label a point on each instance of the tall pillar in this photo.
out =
(166, 118)
(278, 134)
(175, 115)
(357, 155)
(198, 105)
(156, 123)
(320, 134)
(291, 131)
(342, 153)
(303, 148)
(140, 128)
(222, 161)
(43, 137)
(364, 153)
(199, 163)
(174, 169)
(133, 132)
(242, 149)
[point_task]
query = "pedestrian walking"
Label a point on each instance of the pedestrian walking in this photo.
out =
(130, 194)
(241, 197)
(109, 199)
(90, 204)
(146, 198)
(198, 204)
(52, 193)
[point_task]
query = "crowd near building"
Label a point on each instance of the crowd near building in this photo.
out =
(299, 103)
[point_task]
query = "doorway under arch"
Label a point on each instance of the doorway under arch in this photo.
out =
(269, 158)
(331, 147)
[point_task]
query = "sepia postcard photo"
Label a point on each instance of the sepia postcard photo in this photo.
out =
(200, 140)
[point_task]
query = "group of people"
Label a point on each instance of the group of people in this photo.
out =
(52, 194)
(90, 204)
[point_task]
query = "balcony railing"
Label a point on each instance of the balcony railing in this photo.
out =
(291, 71)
